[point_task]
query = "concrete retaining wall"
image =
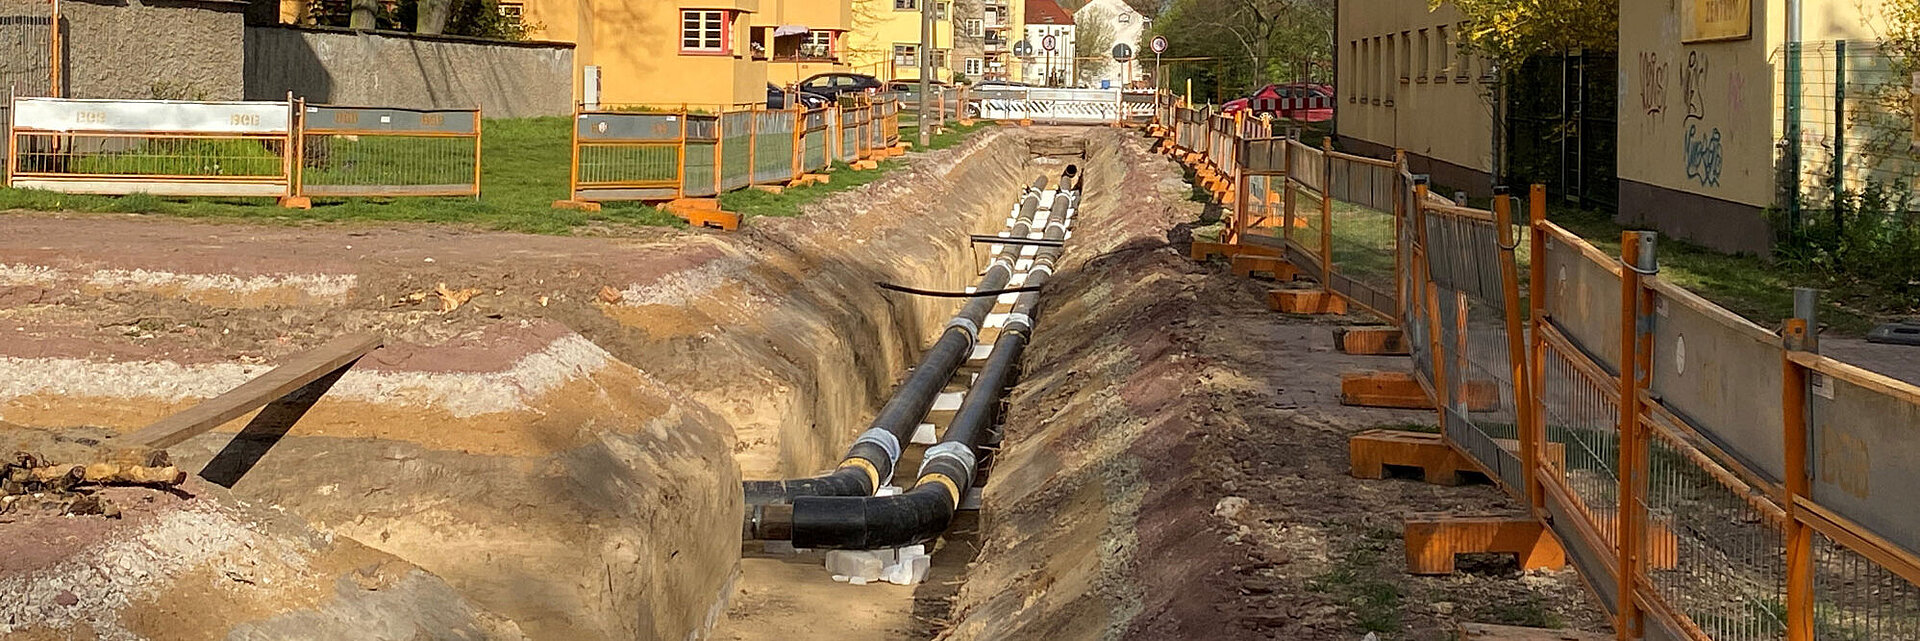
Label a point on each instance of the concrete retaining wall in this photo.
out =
(335, 66)
(153, 48)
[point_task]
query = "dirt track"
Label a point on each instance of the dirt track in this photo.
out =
(1176, 466)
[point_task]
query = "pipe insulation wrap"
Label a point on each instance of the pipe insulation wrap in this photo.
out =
(869, 462)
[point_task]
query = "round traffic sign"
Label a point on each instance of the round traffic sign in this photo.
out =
(1047, 42)
(1023, 48)
(1122, 52)
(1159, 44)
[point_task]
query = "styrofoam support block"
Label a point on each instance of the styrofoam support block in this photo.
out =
(981, 352)
(949, 401)
(997, 319)
(923, 435)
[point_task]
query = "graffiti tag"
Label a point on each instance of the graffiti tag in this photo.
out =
(1701, 148)
(1703, 155)
(1653, 83)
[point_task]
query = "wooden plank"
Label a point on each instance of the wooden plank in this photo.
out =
(1489, 632)
(294, 374)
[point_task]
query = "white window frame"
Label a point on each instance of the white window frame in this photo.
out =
(975, 67)
(976, 28)
(909, 52)
(708, 31)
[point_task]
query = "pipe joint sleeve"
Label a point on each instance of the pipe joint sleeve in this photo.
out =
(1019, 322)
(883, 438)
(960, 452)
(966, 325)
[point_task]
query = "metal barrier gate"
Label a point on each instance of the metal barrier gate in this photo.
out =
(1059, 106)
(369, 151)
(121, 147)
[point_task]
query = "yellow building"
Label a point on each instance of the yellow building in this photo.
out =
(1701, 132)
(698, 52)
(885, 39)
(1403, 82)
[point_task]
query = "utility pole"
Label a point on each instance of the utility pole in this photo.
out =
(926, 71)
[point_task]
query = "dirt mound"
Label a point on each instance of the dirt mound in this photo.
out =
(195, 555)
(1175, 463)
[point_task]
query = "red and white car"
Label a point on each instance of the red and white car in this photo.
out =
(1299, 101)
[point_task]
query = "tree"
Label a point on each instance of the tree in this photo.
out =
(1508, 32)
(1092, 42)
(1246, 44)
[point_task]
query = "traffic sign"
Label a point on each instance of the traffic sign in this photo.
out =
(1023, 48)
(1159, 44)
(1047, 43)
(1122, 52)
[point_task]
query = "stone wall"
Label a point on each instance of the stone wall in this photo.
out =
(172, 49)
(342, 67)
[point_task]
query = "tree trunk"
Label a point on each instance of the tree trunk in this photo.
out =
(363, 14)
(430, 16)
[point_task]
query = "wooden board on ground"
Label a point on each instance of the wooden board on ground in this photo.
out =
(294, 374)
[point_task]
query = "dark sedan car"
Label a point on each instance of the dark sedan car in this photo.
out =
(832, 85)
(777, 98)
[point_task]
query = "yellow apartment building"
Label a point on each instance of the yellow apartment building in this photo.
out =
(697, 52)
(885, 39)
(1404, 82)
(1701, 109)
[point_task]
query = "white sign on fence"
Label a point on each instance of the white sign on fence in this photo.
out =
(151, 116)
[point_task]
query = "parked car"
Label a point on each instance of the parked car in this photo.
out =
(832, 85)
(777, 98)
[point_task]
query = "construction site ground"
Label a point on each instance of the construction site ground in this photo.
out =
(1175, 462)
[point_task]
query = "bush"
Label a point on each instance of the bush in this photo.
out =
(1870, 236)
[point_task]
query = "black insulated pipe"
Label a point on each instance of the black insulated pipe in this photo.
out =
(948, 468)
(869, 463)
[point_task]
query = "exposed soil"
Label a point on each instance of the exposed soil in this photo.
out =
(1176, 464)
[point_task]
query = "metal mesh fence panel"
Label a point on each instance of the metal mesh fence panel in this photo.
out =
(736, 149)
(773, 146)
(1714, 552)
(26, 48)
(1858, 599)
(348, 151)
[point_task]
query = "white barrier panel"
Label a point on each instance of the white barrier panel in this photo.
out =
(167, 148)
(1072, 106)
(151, 116)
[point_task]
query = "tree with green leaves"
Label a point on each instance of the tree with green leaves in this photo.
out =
(1244, 44)
(1092, 40)
(1507, 33)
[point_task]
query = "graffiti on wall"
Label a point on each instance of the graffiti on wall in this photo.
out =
(1700, 143)
(1653, 83)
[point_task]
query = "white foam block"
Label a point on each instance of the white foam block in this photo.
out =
(997, 320)
(923, 434)
(859, 566)
(1017, 280)
(981, 352)
(1023, 264)
(1008, 298)
(1030, 251)
(950, 401)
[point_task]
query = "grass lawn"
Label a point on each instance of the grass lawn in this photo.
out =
(941, 140)
(523, 171)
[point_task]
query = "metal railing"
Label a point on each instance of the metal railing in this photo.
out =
(1715, 480)
(256, 148)
(668, 154)
(361, 151)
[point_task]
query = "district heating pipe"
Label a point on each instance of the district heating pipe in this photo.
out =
(949, 468)
(869, 462)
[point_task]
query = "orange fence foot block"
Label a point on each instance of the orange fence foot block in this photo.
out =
(1306, 301)
(1490, 632)
(1203, 250)
(1434, 539)
(702, 212)
(1246, 265)
(577, 205)
(1370, 453)
(1377, 340)
(771, 189)
(1383, 389)
(1026, 122)
(866, 165)
(296, 202)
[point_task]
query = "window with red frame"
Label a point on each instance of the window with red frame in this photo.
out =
(705, 31)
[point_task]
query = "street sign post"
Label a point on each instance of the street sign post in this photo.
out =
(1159, 46)
(1123, 54)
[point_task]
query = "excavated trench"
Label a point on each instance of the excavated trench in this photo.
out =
(550, 445)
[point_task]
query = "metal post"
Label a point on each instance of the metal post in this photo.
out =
(1839, 130)
(1636, 259)
(1535, 405)
(926, 69)
(1517, 360)
(1326, 213)
(55, 87)
(1800, 335)
(1791, 127)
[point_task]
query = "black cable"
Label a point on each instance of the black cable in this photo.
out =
(927, 292)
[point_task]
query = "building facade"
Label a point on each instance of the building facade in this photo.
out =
(885, 41)
(1048, 30)
(1402, 81)
(1122, 24)
(1703, 112)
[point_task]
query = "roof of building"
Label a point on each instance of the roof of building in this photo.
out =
(1047, 12)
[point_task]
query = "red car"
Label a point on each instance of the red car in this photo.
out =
(1300, 101)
